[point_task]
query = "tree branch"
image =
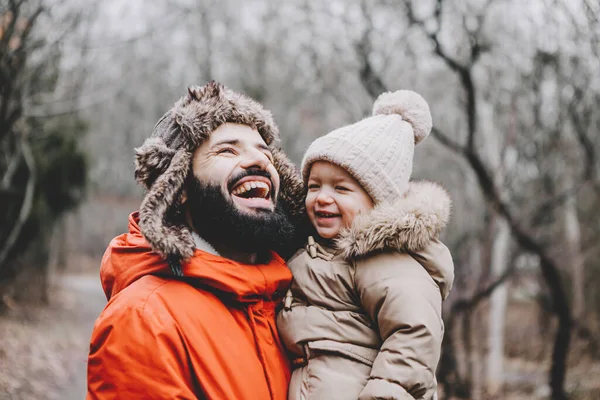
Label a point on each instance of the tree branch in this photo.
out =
(13, 14)
(446, 141)
(466, 304)
(590, 172)
(546, 207)
(11, 169)
(26, 206)
(371, 81)
(68, 107)
(463, 71)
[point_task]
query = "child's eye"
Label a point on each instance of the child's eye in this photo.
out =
(342, 188)
(313, 186)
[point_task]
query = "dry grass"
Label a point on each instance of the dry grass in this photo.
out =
(42, 348)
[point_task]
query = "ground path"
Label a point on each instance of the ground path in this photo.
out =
(89, 301)
(43, 352)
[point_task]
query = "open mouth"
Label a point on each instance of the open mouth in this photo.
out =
(252, 189)
(326, 215)
(253, 192)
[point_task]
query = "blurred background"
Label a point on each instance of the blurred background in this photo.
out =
(514, 89)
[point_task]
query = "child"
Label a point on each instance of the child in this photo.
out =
(363, 316)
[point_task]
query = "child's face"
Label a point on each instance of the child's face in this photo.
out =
(334, 198)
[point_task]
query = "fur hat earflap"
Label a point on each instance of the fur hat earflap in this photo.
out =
(151, 160)
(163, 162)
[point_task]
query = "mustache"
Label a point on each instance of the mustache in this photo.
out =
(253, 172)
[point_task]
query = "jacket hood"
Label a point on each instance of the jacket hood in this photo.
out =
(409, 224)
(129, 257)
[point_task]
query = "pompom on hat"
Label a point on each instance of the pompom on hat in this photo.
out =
(377, 151)
(163, 162)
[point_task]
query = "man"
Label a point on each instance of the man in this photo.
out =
(193, 285)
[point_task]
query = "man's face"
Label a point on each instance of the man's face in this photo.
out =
(232, 197)
(237, 159)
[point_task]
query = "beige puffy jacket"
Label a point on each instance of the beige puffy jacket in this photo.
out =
(364, 321)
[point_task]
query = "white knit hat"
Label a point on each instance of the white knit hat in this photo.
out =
(377, 151)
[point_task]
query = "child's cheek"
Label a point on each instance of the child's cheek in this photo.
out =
(309, 200)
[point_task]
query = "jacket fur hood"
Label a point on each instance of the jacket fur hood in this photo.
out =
(406, 225)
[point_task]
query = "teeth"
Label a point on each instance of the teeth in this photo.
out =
(247, 186)
(325, 214)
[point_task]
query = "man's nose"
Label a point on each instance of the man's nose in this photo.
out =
(255, 159)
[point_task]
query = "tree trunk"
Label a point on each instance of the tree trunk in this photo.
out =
(574, 257)
(497, 317)
(493, 149)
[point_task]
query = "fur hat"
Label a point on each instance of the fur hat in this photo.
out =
(377, 151)
(163, 162)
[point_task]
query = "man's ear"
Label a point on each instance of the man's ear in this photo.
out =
(183, 197)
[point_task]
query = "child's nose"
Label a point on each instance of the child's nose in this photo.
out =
(324, 198)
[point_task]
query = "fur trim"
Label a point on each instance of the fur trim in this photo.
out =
(167, 236)
(291, 196)
(203, 245)
(151, 160)
(410, 106)
(206, 108)
(292, 191)
(406, 225)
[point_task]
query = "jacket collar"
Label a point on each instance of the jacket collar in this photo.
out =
(203, 245)
(129, 257)
(406, 225)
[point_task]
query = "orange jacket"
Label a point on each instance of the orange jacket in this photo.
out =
(211, 335)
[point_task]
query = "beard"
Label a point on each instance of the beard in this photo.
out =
(218, 220)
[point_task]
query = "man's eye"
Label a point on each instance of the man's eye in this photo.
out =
(226, 150)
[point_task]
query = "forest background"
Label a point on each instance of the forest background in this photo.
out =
(514, 89)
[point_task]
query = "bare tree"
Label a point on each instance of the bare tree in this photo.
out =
(464, 66)
(34, 189)
(15, 46)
